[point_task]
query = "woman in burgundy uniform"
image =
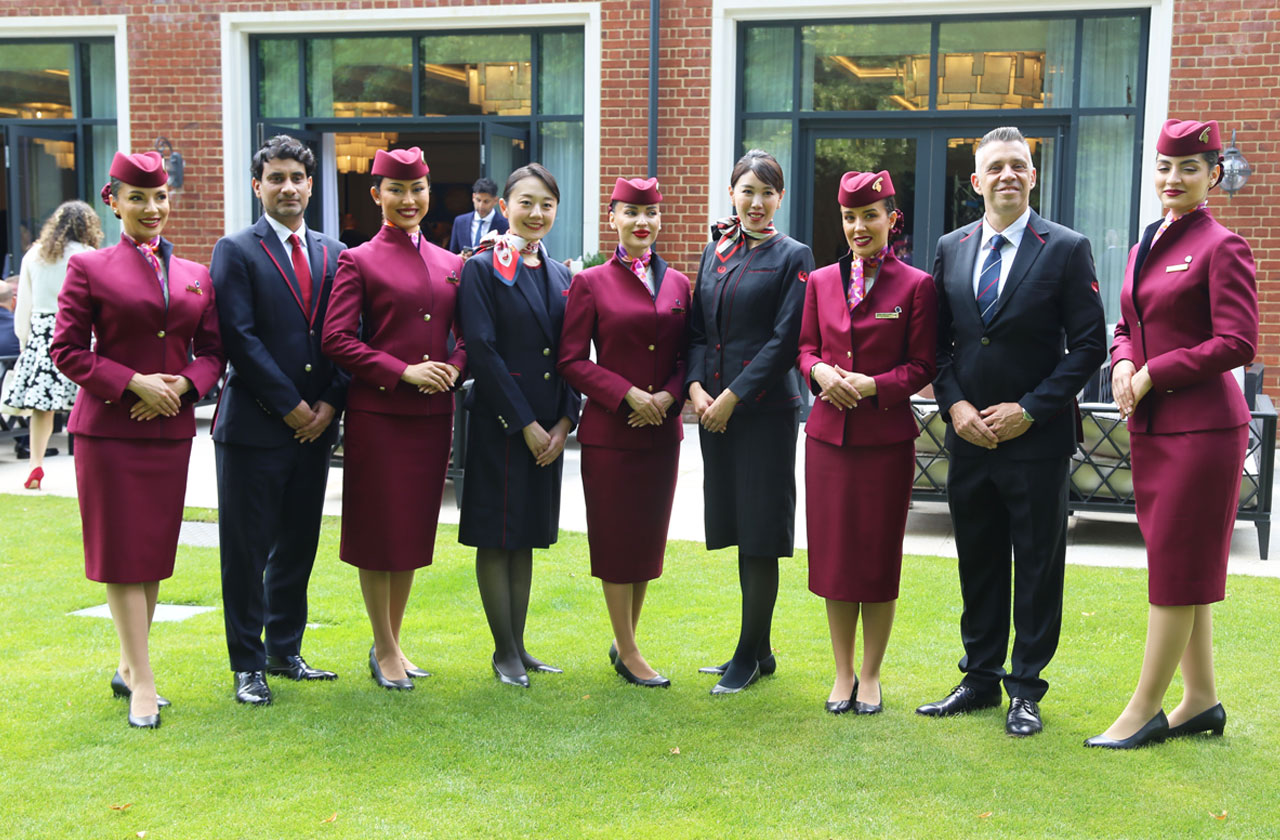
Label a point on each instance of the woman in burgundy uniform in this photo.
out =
(390, 315)
(868, 338)
(1189, 315)
(634, 309)
(138, 332)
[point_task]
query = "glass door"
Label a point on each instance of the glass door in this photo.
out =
(503, 149)
(832, 152)
(41, 174)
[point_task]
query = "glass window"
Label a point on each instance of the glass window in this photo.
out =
(360, 77)
(1104, 198)
(561, 144)
(768, 60)
(774, 137)
(100, 73)
(35, 81)
(1109, 64)
(560, 73)
(872, 67)
(1006, 64)
(477, 74)
(278, 78)
(102, 148)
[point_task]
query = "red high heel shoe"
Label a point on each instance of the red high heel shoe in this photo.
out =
(33, 480)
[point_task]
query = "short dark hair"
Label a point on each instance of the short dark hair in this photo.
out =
(532, 170)
(761, 164)
(284, 147)
(485, 185)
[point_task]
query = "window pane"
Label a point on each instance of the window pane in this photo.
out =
(774, 137)
(100, 73)
(102, 148)
(1109, 66)
(35, 81)
(1104, 198)
(560, 73)
(1006, 64)
(874, 67)
(278, 78)
(561, 144)
(770, 68)
(360, 77)
(476, 74)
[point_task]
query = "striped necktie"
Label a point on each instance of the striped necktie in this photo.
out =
(989, 280)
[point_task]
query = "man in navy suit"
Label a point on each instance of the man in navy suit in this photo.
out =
(470, 227)
(277, 422)
(1020, 329)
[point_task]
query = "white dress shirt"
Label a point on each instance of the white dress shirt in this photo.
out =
(1013, 236)
(284, 233)
(480, 225)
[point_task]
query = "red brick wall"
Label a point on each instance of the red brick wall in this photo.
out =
(1226, 66)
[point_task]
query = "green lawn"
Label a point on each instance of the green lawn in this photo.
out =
(583, 754)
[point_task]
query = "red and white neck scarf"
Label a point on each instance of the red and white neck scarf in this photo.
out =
(508, 251)
(858, 275)
(1170, 218)
(639, 265)
(731, 231)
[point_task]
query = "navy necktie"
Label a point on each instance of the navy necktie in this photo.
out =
(989, 280)
(475, 240)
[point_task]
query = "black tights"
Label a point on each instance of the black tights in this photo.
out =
(505, 578)
(758, 577)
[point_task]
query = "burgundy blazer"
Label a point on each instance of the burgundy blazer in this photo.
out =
(639, 341)
(1189, 312)
(892, 337)
(113, 296)
(392, 306)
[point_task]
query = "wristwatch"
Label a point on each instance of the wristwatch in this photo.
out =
(1026, 416)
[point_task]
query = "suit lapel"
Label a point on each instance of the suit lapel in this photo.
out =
(283, 261)
(659, 266)
(1033, 239)
(834, 298)
(961, 281)
(524, 282)
(318, 257)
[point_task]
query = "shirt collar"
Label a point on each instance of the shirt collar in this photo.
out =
(284, 233)
(488, 218)
(1012, 234)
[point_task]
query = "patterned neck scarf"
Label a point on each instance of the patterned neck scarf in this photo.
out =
(639, 265)
(731, 231)
(858, 275)
(1170, 218)
(508, 251)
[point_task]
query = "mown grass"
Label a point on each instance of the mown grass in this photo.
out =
(583, 754)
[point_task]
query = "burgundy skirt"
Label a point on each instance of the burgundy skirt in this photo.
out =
(629, 494)
(856, 500)
(131, 495)
(1187, 488)
(393, 468)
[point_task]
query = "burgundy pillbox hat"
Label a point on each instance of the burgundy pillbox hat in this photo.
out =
(1180, 138)
(639, 191)
(400, 164)
(858, 189)
(142, 170)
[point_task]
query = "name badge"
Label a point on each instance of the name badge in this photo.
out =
(1182, 266)
(889, 316)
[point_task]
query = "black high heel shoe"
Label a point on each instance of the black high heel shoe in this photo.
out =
(415, 673)
(120, 689)
(145, 721)
(767, 666)
(1212, 720)
(658, 681)
(521, 681)
(839, 707)
(613, 652)
(375, 671)
(861, 708)
(1154, 731)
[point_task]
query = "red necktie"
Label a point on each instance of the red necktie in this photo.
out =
(301, 270)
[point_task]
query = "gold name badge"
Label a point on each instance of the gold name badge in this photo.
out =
(1183, 266)
(890, 316)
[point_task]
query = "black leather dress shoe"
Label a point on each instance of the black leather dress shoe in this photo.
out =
(120, 689)
(144, 721)
(721, 688)
(657, 681)
(251, 688)
(520, 681)
(962, 699)
(1154, 731)
(375, 671)
(767, 666)
(839, 707)
(1210, 720)
(296, 668)
(861, 708)
(1023, 718)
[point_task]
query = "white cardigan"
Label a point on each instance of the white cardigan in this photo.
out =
(38, 285)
